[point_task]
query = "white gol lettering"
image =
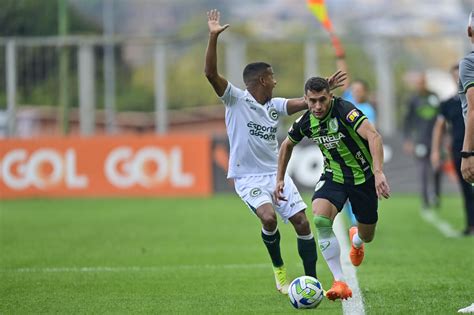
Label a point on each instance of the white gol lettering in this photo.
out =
(148, 167)
(30, 172)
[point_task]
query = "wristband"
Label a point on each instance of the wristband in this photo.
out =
(466, 154)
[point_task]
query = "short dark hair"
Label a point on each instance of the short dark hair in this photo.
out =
(316, 84)
(253, 70)
(363, 83)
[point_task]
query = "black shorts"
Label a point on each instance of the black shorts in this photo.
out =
(363, 198)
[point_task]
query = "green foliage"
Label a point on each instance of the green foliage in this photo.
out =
(187, 85)
(38, 18)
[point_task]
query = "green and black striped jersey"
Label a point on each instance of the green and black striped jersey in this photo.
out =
(347, 158)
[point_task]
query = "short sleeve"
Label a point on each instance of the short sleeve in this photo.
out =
(231, 94)
(466, 74)
(295, 133)
(350, 114)
(280, 105)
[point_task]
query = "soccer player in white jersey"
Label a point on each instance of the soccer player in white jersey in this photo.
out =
(252, 119)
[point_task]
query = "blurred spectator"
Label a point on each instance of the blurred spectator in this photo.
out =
(450, 114)
(423, 107)
(360, 94)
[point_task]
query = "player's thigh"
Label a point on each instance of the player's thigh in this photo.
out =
(328, 198)
(255, 194)
(294, 203)
(267, 215)
(364, 202)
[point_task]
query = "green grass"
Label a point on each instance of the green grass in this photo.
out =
(187, 249)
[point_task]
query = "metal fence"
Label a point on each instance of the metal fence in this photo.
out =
(91, 85)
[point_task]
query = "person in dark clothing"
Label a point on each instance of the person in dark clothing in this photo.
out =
(423, 109)
(451, 114)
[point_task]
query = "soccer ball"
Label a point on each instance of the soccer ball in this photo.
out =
(305, 292)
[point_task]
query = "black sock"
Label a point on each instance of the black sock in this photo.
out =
(272, 242)
(309, 255)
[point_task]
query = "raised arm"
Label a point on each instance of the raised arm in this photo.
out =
(218, 82)
(342, 65)
(298, 104)
(284, 157)
(367, 131)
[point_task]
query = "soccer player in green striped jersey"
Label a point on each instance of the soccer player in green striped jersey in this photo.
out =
(353, 170)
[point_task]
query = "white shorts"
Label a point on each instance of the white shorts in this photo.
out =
(258, 190)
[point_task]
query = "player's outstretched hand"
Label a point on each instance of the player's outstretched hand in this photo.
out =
(215, 27)
(381, 186)
(278, 193)
(337, 79)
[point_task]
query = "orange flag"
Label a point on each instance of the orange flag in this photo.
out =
(318, 8)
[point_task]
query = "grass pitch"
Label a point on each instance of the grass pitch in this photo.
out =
(205, 256)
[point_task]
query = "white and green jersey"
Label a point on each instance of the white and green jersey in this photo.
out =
(466, 79)
(252, 131)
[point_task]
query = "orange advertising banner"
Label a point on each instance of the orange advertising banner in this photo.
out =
(106, 166)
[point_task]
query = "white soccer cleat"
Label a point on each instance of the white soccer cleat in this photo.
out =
(280, 279)
(469, 309)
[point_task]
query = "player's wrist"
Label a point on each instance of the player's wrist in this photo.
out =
(467, 154)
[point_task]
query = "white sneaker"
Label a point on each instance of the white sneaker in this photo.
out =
(469, 309)
(280, 279)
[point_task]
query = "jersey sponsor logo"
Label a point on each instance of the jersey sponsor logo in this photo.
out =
(333, 125)
(255, 192)
(264, 132)
(319, 185)
(272, 112)
(352, 116)
(330, 141)
(360, 157)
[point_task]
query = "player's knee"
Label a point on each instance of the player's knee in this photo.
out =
(269, 221)
(301, 225)
(321, 221)
(367, 238)
(299, 219)
(323, 226)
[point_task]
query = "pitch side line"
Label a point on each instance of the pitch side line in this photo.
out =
(131, 268)
(355, 305)
(444, 227)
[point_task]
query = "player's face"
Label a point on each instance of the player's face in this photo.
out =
(318, 102)
(268, 81)
(359, 92)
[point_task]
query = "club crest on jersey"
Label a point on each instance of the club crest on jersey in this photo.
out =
(255, 192)
(352, 116)
(273, 113)
(333, 125)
